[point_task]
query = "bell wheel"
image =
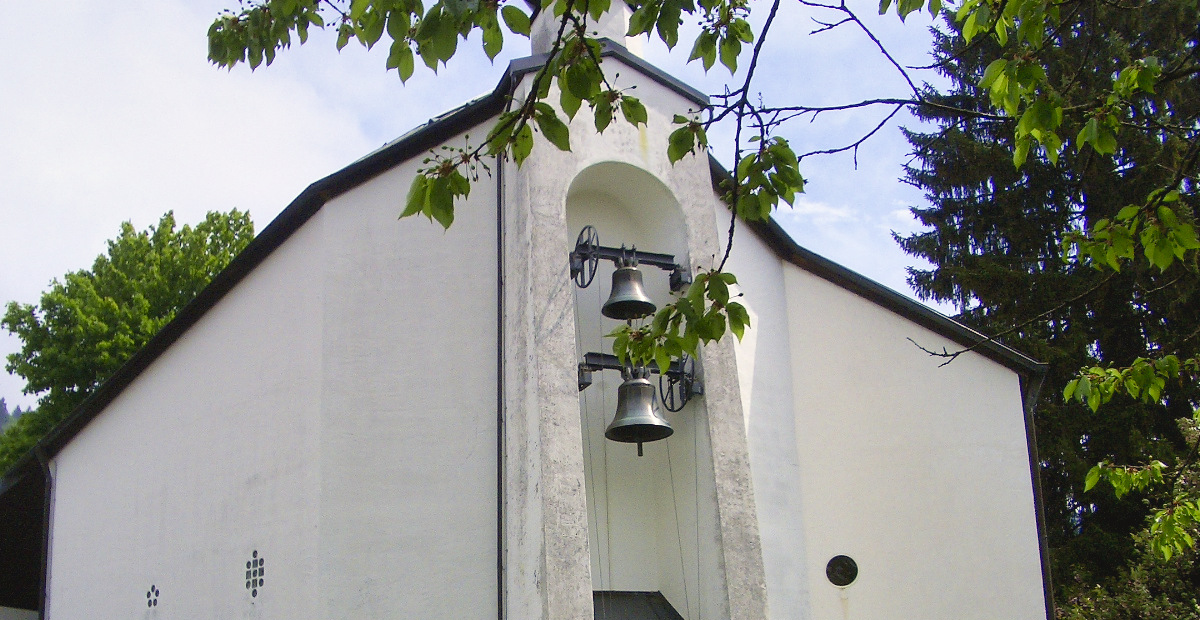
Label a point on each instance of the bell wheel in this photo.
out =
(585, 259)
(675, 388)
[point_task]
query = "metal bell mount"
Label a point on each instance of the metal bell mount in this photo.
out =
(588, 252)
(637, 419)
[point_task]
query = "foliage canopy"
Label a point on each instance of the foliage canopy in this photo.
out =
(997, 235)
(89, 323)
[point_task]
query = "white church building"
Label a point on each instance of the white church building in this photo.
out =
(397, 420)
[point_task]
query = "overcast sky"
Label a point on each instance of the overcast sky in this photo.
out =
(109, 112)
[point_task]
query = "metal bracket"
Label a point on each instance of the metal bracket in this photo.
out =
(588, 252)
(681, 383)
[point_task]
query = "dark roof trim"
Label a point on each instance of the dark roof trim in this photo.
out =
(612, 49)
(412, 144)
(773, 235)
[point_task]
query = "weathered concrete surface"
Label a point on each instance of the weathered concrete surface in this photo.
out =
(548, 572)
(741, 546)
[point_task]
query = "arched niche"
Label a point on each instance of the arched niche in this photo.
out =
(651, 519)
(628, 206)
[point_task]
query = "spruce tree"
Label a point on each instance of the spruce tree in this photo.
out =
(994, 235)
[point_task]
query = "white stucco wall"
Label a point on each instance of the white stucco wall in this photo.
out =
(335, 412)
(861, 445)
(408, 438)
(201, 461)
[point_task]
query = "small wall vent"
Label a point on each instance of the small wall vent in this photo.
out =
(254, 573)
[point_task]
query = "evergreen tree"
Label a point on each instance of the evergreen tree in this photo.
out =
(995, 234)
(87, 325)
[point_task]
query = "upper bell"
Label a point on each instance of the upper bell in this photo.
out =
(628, 299)
(637, 420)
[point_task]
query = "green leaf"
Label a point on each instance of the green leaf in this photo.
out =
(705, 48)
(415, 202)
(1127, 213)
(718, 291)
(400, 55)
(680, 143)
(662, 360)
(740, 28)
(441, 201)
(569, 102)
(581, 81)
(739, 318)
(1093, 477)
(522, 144)
(358, 8)
(493, 40)
(597, 8)
(668, 22)
(603, 112)
(1185, 236)
(994, 70)
(373, 25)
(642, 20)
(1021, 152)
(516, 19)
(730, 48)
(633, 110)
(554, 130)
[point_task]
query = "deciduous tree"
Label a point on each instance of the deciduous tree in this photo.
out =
(87, 324)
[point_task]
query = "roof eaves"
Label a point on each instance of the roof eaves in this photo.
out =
(782, 243)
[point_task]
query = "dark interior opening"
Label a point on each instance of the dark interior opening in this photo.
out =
(22, 504)
(616, 605)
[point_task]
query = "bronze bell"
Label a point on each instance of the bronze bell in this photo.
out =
(637, 420)
(628, 299)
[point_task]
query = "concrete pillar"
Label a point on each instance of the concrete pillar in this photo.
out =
(548, 568)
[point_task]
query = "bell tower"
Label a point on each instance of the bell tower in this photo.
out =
(587, 521)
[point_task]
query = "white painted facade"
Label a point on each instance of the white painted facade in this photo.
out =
(862, 445)
(323, 415)
(387, 414)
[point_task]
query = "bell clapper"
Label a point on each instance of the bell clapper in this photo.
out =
(639, 448)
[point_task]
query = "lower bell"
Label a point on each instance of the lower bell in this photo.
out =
(637, 420)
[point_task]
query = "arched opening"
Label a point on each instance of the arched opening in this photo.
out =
(651, 519)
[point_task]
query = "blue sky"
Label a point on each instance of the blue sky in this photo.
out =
(109, 112)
